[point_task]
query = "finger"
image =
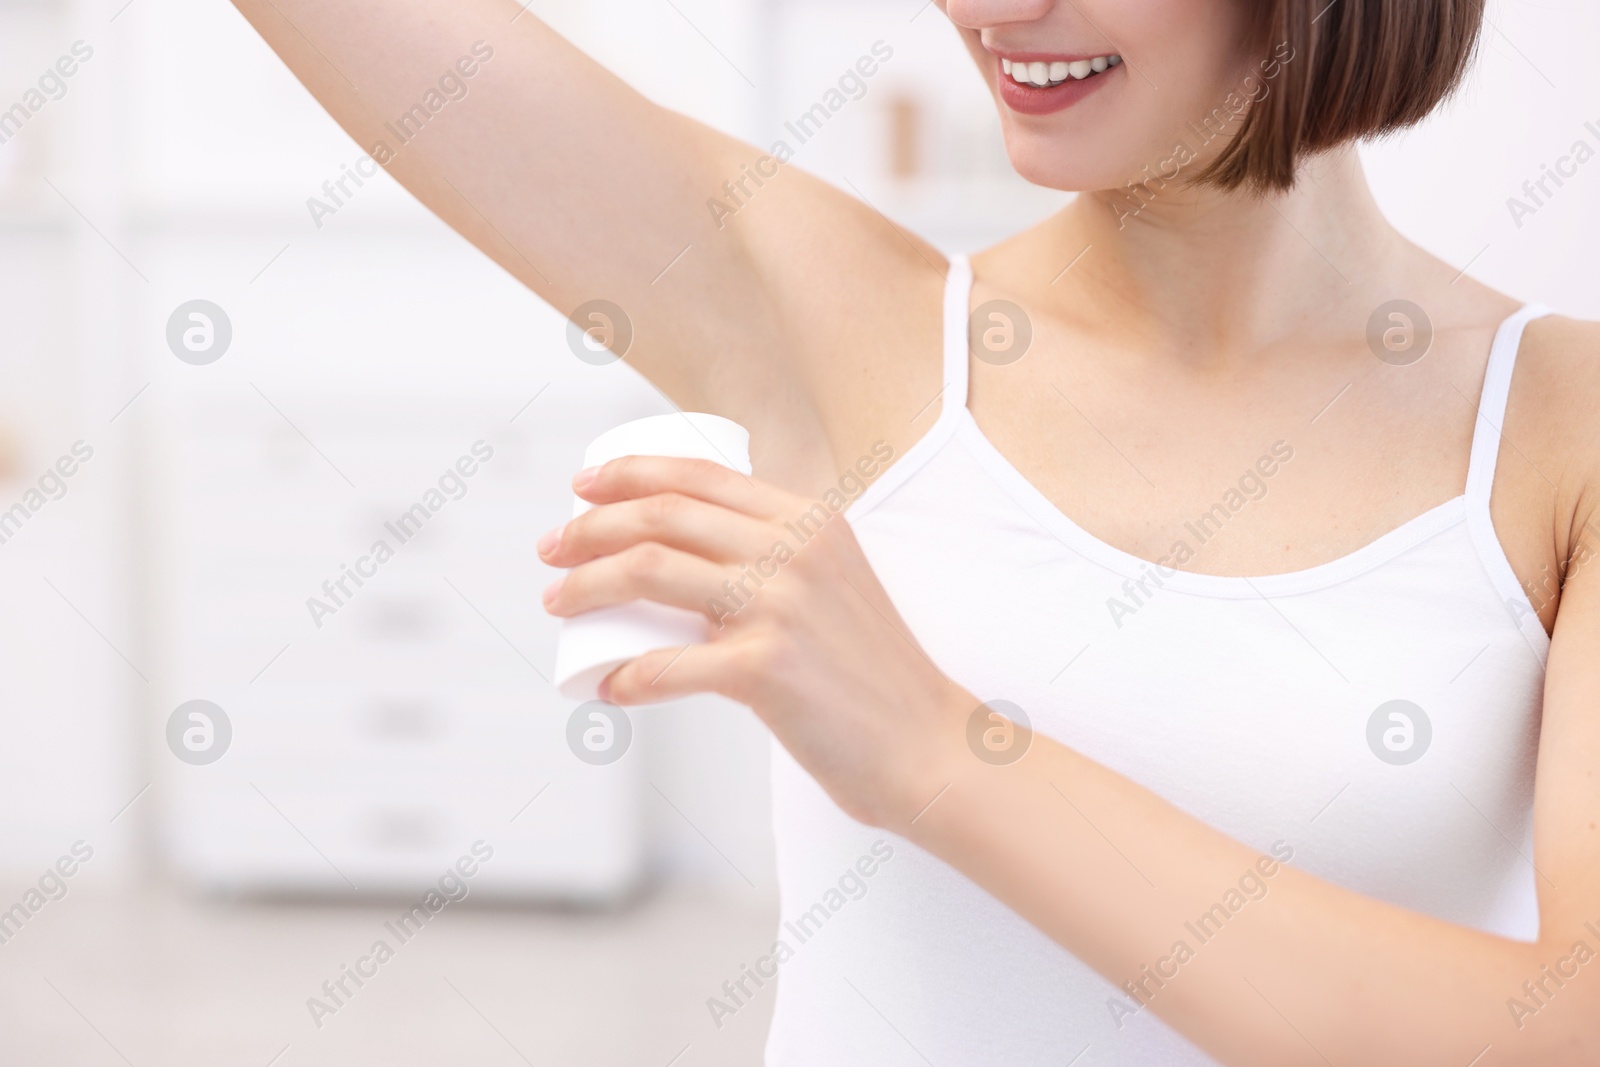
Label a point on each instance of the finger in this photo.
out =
(672, 519)
(647, 571)
(669, 673)
(636, 476)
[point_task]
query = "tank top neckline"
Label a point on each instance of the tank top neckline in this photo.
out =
(955, 423)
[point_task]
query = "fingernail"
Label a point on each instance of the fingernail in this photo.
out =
(603, 690)
(548, 543)
(584, 477)
(551, 590)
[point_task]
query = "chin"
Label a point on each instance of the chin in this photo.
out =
(1103, 154)
(1066, 164)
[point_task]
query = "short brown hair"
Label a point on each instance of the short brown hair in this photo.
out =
(1360, 68)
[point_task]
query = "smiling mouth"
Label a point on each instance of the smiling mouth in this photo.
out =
(1048, 75)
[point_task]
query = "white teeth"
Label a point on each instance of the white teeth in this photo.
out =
(1042, 75)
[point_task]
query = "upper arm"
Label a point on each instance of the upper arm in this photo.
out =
(1566, 357)
(584, 190)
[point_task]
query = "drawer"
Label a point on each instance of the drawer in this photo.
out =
(581, 837)
(317, 732)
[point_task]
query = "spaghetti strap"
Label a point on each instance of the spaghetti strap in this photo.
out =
(1492, 402)
(957, 297)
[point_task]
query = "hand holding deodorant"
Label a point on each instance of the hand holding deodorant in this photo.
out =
(594, 644)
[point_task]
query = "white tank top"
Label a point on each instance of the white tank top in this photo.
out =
(1244, 701)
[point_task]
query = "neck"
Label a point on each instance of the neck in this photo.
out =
(1218, 276)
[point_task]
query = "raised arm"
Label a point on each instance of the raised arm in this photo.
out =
(584, 189)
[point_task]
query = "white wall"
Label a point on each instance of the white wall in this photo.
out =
(1446, 183)
(71, 654)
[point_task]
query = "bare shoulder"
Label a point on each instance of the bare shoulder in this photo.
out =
(1557, 392)
(1573, 344)
(1549, 478)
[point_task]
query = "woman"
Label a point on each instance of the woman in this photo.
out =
(1182, 689)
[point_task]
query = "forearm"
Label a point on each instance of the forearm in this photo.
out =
(1300, 972)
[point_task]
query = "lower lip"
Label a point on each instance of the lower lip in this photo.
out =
(1033, 100)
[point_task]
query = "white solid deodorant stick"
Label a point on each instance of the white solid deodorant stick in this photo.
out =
(594, 644)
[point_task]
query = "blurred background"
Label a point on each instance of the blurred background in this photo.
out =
(213, 399)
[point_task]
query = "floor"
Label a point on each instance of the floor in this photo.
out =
(153, 977)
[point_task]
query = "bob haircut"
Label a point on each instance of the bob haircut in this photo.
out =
(1354, 69)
